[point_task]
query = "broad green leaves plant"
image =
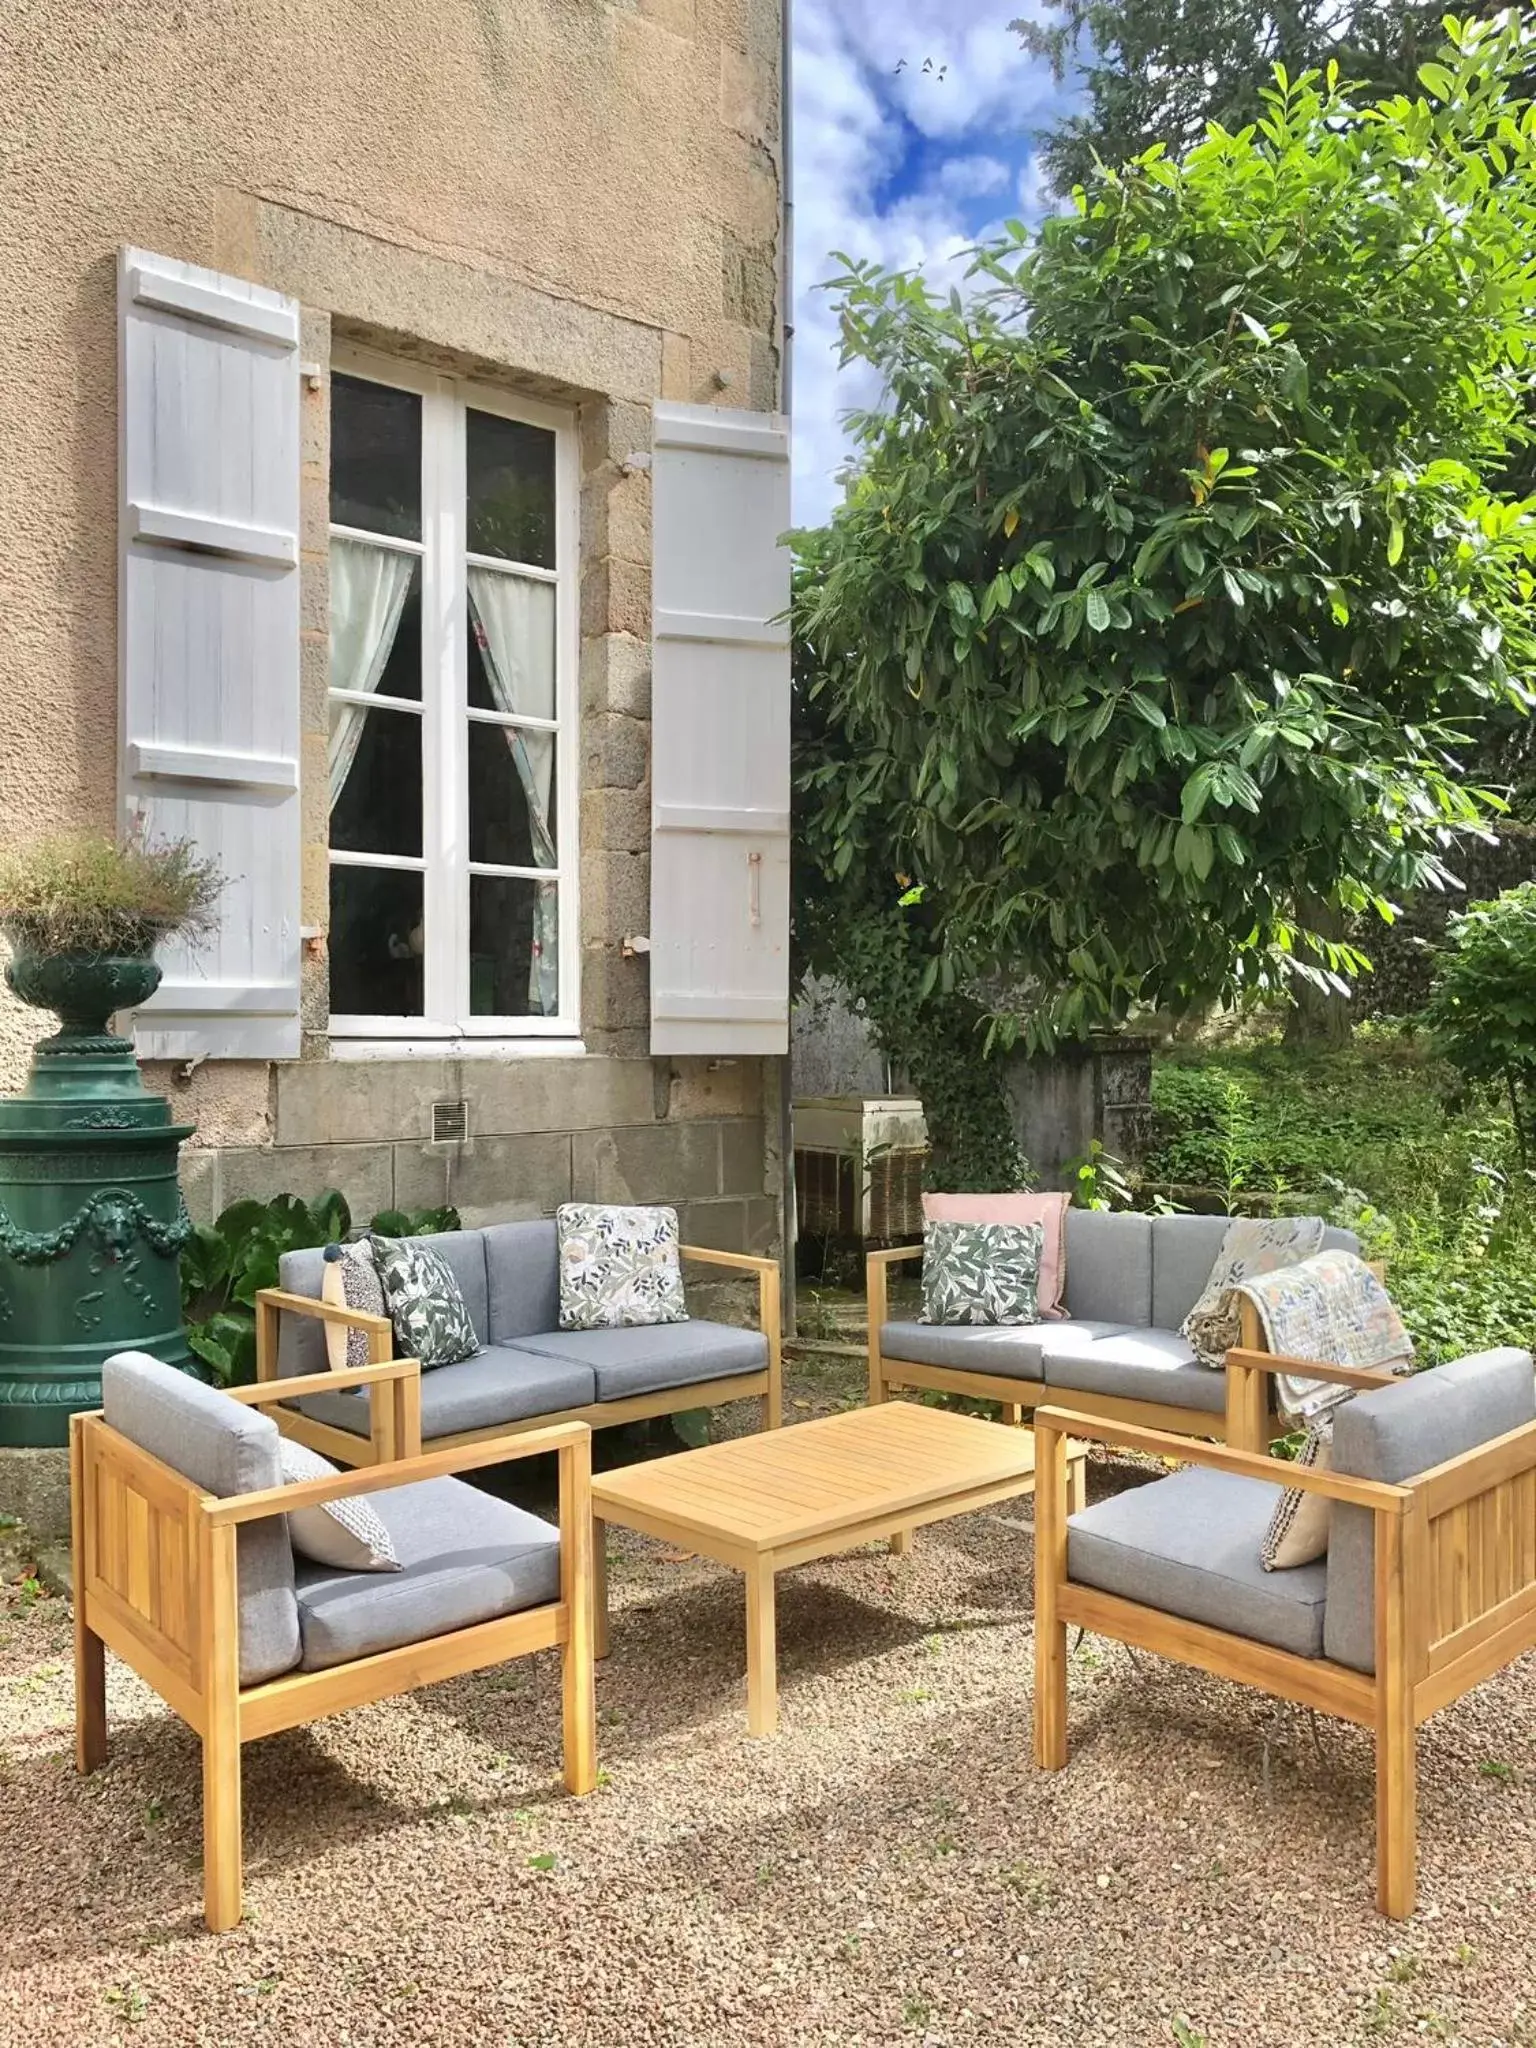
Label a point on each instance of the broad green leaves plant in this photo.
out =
(1174, 580)
(226, 1264)
(1481, 1011)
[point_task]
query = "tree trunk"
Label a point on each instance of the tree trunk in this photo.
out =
(1318, 1018)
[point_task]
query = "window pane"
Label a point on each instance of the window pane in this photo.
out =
(375, 631)
(375, 457)
(511, 490)
(376, 942)
(512, 796)
(375, 764)
(513, 947)
(511, 644)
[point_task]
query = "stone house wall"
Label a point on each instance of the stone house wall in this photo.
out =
(576, 201)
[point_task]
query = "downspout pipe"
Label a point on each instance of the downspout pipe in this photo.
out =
(787, 1230)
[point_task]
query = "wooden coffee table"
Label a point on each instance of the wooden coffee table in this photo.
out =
(763, 1503)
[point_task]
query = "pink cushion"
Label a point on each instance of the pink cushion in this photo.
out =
(1050, 1211)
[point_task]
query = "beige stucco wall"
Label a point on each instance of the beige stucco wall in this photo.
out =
(578, 196)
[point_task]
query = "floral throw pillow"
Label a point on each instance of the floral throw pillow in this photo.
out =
(619, 1266)
(425, 1302)
(981, 1272)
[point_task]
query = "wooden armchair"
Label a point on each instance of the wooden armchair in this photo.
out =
(1429, 1585)
(183, 1567)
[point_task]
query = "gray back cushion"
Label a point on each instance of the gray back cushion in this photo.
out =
(1393, 1435)
(225, 1448)
(301, 1339)
(1185, 1248)
(1109, 1267)
(522, 1263)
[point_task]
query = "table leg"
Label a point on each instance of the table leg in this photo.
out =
(599, 1587)
(762, 1651)
(901, 1543)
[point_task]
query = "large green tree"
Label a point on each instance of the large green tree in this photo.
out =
(1174, 575)
(1158, 70)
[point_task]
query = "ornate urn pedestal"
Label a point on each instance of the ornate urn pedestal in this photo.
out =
(91, 1217)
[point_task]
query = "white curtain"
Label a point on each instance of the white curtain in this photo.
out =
(514, 624)
(368, 591)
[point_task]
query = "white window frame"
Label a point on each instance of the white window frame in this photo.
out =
(445, 710)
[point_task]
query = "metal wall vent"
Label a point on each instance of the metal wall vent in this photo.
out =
(450, 1123)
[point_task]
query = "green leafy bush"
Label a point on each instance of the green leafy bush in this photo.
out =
(1375, 1116)
(226, 1265)
(1461, 1276)
(81, 892)
(1386, 1139)
(1481, 1011)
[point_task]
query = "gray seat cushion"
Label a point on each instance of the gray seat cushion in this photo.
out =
(1189, 1545)
(1184, 1249)
(498, 1385)
(301, 1339)
(522, 1268)
(1109, 1267)
(225, 1448)
(465, 1557)
(649, 1360)
(1393, 1435)
(1135, 1365)
(1009, 1353)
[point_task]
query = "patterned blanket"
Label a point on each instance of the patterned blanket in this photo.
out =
(1252, 1245)
(1333, 1308)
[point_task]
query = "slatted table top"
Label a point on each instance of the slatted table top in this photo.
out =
(788, 1486)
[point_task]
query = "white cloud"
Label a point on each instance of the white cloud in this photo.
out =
(897, 166)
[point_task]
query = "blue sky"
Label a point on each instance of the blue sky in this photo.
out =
(905, 166)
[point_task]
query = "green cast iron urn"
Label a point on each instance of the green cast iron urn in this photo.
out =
(91, 1216)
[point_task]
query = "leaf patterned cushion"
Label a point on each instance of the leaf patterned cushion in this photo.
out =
(426, 1305)
(619, 1266)
(981, 1272)
(351, 1280)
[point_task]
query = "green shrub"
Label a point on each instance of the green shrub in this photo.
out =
(1481, 1011)
(1383, 1138)
(81, 892)
(1376, 1116)
(225, 1266)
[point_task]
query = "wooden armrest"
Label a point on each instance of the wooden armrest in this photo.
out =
(1310, 1369)
(745, 1262)
(279, 1500)
(891, 1256)
(323, 1311)
(1161, 1443)
(325, 1382)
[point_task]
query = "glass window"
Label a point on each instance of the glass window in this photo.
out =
(375, 458)
(452, 856)
(511, 471)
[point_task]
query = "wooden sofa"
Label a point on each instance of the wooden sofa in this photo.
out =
(1428, 1587)
(184, 1568)
(1130, 1281)
(530, 1373)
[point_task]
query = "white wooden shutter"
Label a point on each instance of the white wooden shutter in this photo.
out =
(208, 635)
(719, 732)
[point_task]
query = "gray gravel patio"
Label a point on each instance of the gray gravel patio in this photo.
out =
(890, 1869)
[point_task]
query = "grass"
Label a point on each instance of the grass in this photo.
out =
(81, 892)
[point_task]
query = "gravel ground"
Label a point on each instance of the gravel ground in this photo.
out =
(890, 1869)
